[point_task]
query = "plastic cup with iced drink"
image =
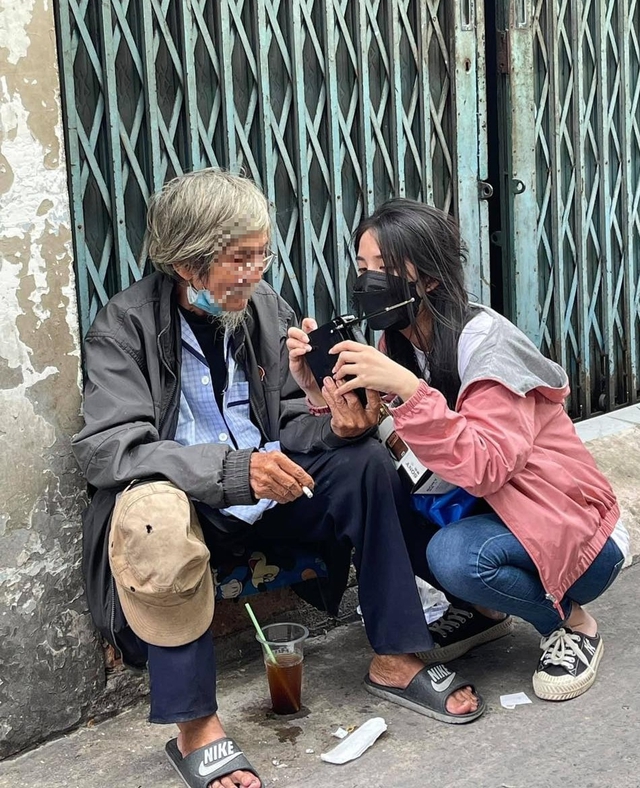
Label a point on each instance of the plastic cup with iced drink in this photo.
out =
(285, 643)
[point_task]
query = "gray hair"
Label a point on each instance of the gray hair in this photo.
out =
(196, 216)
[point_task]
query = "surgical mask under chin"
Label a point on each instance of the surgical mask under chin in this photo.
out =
(372, 293)
(203, 300)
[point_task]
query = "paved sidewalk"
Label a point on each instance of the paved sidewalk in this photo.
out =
(588, 742)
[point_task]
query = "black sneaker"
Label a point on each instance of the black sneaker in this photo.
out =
(568, 665)
(458, 631)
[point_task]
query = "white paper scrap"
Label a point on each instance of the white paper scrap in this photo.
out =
(513, 700)
(340, 733)
(358, 742)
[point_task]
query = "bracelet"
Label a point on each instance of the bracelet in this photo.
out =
(315, 410)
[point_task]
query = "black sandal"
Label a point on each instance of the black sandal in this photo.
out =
(211, 762)
(427, 694)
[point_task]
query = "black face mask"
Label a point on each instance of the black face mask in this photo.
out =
(371, 294)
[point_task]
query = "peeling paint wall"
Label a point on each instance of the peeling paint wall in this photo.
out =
(51, 664)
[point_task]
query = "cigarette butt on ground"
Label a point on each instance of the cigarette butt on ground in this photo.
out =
(307, 492)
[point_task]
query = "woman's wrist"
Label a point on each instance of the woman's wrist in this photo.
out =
(407, 386)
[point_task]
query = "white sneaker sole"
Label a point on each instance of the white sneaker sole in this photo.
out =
(566, 687)
(455, 650)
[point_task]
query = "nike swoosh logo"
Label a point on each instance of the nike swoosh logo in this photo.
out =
(204, 771)
(441, 686)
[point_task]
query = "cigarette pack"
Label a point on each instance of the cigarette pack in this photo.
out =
(419, 478)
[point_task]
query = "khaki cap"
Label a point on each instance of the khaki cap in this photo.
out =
(160, 564)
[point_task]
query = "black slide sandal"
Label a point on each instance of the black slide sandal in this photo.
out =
(206, 764)
(427, 694)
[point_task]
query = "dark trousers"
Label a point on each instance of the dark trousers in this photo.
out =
(358, 503)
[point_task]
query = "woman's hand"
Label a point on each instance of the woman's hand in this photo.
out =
(298, 346)
(371, 369)
(348, 418)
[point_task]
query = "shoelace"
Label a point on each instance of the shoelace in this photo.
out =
(452, 619)
(561, 648)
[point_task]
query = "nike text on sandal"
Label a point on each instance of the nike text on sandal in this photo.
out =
(568, 666)
(213, 762)
(427, 694)
(458, 631)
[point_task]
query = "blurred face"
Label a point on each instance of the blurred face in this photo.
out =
(234, 275)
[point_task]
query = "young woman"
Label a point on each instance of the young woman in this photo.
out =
(483, 409)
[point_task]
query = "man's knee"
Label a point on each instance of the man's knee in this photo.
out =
(370, 455)
(368, 467)
(160, 564)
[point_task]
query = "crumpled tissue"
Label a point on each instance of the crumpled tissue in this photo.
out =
(358, 742)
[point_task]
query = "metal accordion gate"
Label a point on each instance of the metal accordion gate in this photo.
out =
(570, 91)
(331, 106)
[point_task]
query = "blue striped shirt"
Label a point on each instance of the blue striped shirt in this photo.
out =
(200, 419)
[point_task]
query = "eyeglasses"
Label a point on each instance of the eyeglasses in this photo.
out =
(268, 259)
(253, 264)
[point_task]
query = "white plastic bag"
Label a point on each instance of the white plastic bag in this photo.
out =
(358, 742)
(434, 602)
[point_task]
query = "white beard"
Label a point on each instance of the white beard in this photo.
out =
(232, 320)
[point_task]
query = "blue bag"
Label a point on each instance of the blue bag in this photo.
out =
(444, 508)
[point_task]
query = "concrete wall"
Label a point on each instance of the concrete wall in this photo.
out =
(51, 664)
(53, 674)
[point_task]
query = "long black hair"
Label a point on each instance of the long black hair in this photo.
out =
(412, 232)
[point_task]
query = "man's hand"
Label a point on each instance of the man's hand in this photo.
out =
(274, 476)
(348, 418)
(298, 347)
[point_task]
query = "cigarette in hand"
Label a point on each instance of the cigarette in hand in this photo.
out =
(307, 492)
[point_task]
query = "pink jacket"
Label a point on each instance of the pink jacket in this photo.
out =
(522, 454)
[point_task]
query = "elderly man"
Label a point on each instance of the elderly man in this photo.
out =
(195, 436)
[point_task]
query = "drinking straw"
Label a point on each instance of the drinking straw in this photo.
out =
(270, 653)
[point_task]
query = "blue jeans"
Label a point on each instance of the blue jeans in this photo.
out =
(478, 559)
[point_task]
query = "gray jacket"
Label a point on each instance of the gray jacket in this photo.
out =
(131, 400)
